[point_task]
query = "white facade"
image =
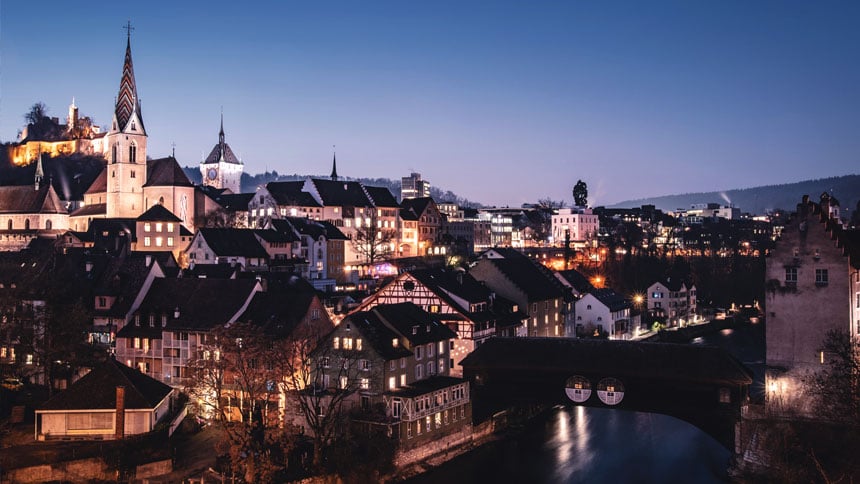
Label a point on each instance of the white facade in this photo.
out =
(581, 223)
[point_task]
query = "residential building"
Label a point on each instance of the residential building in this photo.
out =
(812, 288)
(579, 225)
(672, 300)
(110, 402)
(421, 224)
(603, 312)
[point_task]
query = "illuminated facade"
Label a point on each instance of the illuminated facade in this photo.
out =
(579, 224)
(222, 169)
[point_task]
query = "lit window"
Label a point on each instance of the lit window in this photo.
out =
(147, 227)
(358, 344)
(365, 383)
(159, 241)
(336, 343)
(392, 383)
(170, 241)
(158, 226)
(170, 226)
(147, 241)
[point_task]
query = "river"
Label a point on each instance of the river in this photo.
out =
(576, 444)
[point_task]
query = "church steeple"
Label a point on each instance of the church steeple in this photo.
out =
(127, 102)
(221, 133)
(40, 173)
(334, 166)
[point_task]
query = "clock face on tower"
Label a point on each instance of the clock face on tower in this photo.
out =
(212, 173)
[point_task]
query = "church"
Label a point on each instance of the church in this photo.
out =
(130, 183)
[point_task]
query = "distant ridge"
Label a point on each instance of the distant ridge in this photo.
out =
(758, 200)
(251, 182)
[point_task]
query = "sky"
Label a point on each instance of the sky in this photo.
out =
(500, 102)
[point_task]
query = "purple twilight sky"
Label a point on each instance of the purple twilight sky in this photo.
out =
(500, 102)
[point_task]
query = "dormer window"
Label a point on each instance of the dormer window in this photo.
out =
(395, 343)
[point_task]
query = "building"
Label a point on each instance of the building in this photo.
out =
(413, 186)
(401, 354)
(578, 225)
(421, 226)
(672, 300)
(603, 312)
(532, 287)
(110, 402)
(48, 136)
(462, 303)
(30, 211)
(812, 287)
(222, 169)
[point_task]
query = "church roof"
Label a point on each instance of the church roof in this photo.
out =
(26, 199)
(94, 209)
(97, 390)
(165, 172)
(157, 213)
(127, 102)
(99, 185)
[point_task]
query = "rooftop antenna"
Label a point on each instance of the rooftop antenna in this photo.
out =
(173, 151)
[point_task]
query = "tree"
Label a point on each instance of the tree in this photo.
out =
(222, 219)
(235, 381)
(37, 112)
(837, 385)
(320, 378)
(580, 194)
(372, 241)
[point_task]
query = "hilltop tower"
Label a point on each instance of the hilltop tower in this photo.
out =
(126, 147)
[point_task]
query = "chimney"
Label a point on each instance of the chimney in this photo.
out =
(120, 412)
(148, 260)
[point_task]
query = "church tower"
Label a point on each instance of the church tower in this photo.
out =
(126, 147)
(222, 169)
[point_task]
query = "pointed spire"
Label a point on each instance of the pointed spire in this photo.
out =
(126, 101)
(40, 173)
(221, 133)
(333, 164)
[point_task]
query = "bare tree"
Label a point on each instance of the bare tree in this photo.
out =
(222, 219)
(37, 112)
(374, 242)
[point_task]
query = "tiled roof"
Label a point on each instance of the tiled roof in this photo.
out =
(203, 303)
(99, 185)
(97, 390)
(87, 210)
(458, 283)
(306, 226)
(164, 172)
(341, 193)
(26, 199)
(528, 276)
(416, 205)
(127, 102)
(290, 193)
(280, 309)
(645, 360)
(381, 197)
(413, 323)
(216, 154)
(158, 213)
(611, 299)
(236, 242)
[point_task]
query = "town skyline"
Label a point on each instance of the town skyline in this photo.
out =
(685, 98)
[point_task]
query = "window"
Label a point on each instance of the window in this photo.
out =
(441, 347)
(347, 343)
(132, 153)
(170, 226)
(159, 241)
(364, 365)
(418, 352)
(392, 383)
(358, 344)
(147, 241)
(158, 226)
(430, 350)
(441, 365)
(430, 369)
(344, 381)
(132, 174)
(403, 380)
(791, 275)
(821, 277)
(336, 343)
(419, 371)
(170, 241)
(391, 365)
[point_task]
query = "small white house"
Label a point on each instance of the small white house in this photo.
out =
(603, 311)
(109, 402)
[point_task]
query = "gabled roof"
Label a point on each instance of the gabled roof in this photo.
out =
(232, 242)
(381, 197)
(413, 323)
(290, 193)
(458, 283)
(203, 303)
(378, 335)
(215, 271)
(312, 228)
(26, 199)
(164, 172)
(275, 236)
(280, 309)
(158, 213)
(672, 284)
(415, 206)
(97, 390)
(611, 299)
(234, 202)
(99, 185)
(532, 279)
(576, 280)
(341, 193)
(89, 210)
